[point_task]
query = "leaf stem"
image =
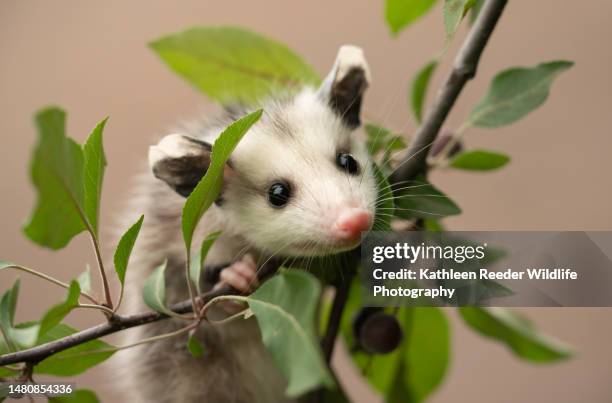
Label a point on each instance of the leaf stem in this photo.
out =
(190, 286)
(152, 339)
(230, 318)
(205, 308)
(50, 279)
(119, 300)
(96, 245)
(102, 308)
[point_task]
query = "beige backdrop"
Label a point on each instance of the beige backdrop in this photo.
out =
(91, 58)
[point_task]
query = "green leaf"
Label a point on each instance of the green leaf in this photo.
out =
(381, 139)
(433, 225)
(426, 352)
(68, 180)
(454, 11)
(396, 143)
(17, 336)
(75, 360)
(4, 348)
(377, 138)
(209, 187)
(6, 372)
(475, 10)
(57, 173)
(421, 199)
(384, 202)
(124, 249)
(79, 396)
(58, 312)
(418, 89)
(285, 310)
(233, 65)
(516, 332)
(516, 92)
(84, 279)
(401, 13)
(25, 335)
(154, 290)
(194, 347)
(94, 164)
(479, 160)
(197, 264)
(8, 305)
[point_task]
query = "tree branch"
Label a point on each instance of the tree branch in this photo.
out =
(464, 69)
(335, 316)
(118, 323)
(36, 354)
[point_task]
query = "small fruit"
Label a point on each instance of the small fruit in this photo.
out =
(380, 333)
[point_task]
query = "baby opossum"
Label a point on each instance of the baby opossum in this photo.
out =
(297, 185)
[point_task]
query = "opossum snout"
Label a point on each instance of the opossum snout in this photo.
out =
(351, 223)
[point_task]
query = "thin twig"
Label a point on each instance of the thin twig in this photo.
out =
(335, 316)
(50, 279)
(464, 68)
(333, 326)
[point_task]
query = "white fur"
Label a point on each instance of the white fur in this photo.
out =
(172, 146)
(307, 159)
(348, 58)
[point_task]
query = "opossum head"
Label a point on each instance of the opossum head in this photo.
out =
(299, 183)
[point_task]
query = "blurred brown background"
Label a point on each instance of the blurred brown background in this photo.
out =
(92, 59)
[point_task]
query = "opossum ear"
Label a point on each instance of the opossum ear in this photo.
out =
(180, 161)
(345, 84)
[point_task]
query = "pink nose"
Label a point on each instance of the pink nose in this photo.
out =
(350, 223)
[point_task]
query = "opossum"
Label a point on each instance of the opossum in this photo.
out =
(299, 184)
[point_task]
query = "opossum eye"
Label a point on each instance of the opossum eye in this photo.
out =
(347, 163)
(279, 194)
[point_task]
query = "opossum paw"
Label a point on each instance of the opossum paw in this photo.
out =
(241, 275)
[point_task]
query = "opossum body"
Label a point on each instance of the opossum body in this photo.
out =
(297, 185)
